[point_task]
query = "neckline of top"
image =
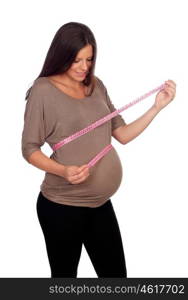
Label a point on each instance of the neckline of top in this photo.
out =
(60, 91)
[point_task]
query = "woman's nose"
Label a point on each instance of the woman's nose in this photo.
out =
(84, 65)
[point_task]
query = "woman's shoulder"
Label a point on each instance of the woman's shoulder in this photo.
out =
(100, 83)
(39, 87)
(98, 80)
(41, 84)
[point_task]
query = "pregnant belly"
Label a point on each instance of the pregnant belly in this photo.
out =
(104, 180)
(106, 175)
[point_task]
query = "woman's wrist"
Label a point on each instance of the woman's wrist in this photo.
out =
(60, 169)
(155, 109)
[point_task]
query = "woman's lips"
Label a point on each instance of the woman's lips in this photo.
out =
(81, 74)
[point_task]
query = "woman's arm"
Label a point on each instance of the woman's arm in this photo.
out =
(43, 162)
(126, 133)
(73, 174)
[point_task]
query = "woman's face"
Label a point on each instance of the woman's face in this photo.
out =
(81, 64)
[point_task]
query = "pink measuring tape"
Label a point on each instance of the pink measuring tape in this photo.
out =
(100, 122)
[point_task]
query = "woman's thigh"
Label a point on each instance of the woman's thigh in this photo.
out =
(63, 232)
(103, 242)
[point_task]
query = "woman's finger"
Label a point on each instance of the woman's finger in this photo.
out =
(79, 177)
(170, 91)
(170, 83)
(79, 181)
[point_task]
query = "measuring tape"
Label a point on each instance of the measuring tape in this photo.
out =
(100, 122)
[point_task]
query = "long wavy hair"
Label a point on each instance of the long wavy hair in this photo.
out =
(67, 42)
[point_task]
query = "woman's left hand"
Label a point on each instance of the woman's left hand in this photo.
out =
(166, 95)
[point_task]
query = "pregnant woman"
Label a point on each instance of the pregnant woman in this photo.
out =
(74, 206)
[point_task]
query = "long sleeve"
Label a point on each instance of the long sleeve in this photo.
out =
(118, 120)
(33, 135)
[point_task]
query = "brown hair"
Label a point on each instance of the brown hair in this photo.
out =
(67, 42)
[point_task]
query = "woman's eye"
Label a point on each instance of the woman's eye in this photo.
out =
(77, 61)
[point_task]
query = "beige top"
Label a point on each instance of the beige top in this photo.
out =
(50, 116)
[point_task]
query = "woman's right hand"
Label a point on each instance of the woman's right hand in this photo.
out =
(75, 174)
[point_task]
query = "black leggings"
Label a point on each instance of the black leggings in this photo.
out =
(66, 228)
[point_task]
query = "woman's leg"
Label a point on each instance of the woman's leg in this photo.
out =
(103, 242)
(62, 228)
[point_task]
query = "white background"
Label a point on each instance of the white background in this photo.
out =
(140, 45)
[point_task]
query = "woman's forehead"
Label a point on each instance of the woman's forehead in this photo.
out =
(86, 51)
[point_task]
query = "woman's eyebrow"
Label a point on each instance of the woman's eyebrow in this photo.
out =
(87, 57)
